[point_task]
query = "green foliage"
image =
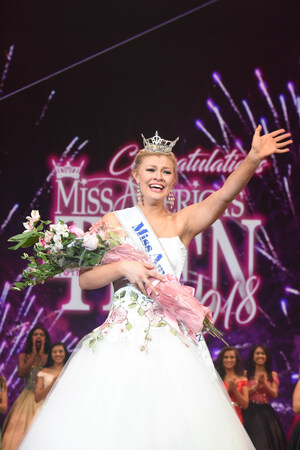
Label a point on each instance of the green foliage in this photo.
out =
(50, 260)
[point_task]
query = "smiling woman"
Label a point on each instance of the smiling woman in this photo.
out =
(141, 379)
(229, 367)
(260, 419)
(154, 174)
(46, 378)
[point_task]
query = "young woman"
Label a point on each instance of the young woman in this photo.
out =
(140, 381)
(230, 369)
(294, 432)
(24, 408)
(46, 378)
(3, 398)
(260, 419)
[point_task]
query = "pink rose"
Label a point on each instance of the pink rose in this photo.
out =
(154, 313)
(118, 315)
(76, 230)
(90, 241)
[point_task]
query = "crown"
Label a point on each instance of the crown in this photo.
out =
(157, 144)
(67, 171)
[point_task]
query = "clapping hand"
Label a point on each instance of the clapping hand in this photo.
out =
(262, 379)
(231, 384)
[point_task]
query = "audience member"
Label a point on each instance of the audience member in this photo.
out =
(46, 378)
(294, 433)
(24, 408)
(260, 419)
(3, 398)
(229, 366)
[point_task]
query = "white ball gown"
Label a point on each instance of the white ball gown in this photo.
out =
(136, 384)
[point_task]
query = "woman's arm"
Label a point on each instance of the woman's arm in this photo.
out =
(198, 217)
(24, 363)
(296, 398)
(40, 392)
(137, 273)
(3, 399)
(270, 388)
(242, 397)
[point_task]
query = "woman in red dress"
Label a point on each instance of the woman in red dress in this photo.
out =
(260, 419)
(229, 366)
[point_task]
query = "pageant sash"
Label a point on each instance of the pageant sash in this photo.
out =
(140, 231)
(143, 236)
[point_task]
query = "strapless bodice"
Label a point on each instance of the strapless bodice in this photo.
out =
(176, 252)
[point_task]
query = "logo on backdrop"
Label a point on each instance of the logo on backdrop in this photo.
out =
(220, 263)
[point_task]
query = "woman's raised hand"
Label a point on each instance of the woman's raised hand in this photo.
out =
(138, 274)
(266, 145)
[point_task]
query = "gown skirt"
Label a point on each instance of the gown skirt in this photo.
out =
(21, 414)
(263, 427)
(137, 383)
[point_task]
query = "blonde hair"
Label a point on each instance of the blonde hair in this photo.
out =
(142, 154)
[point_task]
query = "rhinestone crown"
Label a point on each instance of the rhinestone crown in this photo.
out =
(157, 144)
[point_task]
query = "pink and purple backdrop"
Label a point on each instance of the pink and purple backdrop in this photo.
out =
(209, 76)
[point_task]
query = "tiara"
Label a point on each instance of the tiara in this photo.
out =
(157, 144)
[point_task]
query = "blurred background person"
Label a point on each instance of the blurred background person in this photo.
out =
(260, 419)
(46, 378)
(294, 432)
(230, 369)
(30, 362)
(3, 398)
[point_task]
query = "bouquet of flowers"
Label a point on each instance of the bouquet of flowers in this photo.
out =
(62, 248)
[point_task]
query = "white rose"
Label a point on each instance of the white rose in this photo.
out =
(90, 241)
(60, 229)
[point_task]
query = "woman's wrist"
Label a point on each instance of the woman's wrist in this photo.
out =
(254, 158)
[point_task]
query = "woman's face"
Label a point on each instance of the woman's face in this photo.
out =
(259, 356)
(58, 354)
(229, 359)
(38, 338)
(156, 176)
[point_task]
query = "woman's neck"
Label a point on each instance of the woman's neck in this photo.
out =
(154, 209)
(259, 369)
(58, 366)
(229, 373)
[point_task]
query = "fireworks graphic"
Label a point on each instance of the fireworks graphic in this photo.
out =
(19, 312)
(281, 183)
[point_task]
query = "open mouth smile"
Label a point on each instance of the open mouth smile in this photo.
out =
(156, 187)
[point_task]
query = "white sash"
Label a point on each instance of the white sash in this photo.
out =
(140, 231)
(143, 236)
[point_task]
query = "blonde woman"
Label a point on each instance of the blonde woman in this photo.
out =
(140, 381)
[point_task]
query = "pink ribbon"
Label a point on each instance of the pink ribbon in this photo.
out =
(177, 300)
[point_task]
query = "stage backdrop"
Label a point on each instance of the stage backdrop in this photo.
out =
(209, 76)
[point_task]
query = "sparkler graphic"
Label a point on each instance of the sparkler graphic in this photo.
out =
(45, 107)
(6, 67)
(18, 317)
(282, 179)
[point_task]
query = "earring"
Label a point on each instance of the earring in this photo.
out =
(171, 199)
(140, 197)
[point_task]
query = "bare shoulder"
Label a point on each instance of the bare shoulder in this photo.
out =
(243, 378)
(274, 374)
